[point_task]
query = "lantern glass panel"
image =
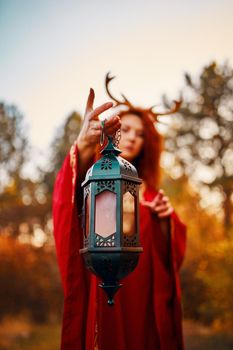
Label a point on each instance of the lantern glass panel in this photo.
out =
(87, 215)
(105, 213)
(129, 218)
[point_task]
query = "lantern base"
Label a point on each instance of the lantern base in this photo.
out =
(110, 290)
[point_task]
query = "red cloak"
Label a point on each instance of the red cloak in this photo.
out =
(147, 310)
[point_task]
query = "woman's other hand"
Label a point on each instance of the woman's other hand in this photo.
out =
(160, 205)
(89, 135)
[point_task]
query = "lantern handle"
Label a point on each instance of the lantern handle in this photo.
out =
(115, 139)
(102, 132)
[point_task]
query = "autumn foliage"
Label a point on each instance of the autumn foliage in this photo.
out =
(30, 281)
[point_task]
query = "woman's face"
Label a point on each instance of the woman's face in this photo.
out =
(132, 136)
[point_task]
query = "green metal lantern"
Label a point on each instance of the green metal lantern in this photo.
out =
(110, 251)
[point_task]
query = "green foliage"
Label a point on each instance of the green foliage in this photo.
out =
(200, 141)
(26, 204)
(216, 271)
(199, 147)
(13, 144)
(207, 281)
(13, 155)
(66, 136)
(65, 139)
(206, 275)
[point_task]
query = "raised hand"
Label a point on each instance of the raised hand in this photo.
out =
(160, 205)
(91, 130)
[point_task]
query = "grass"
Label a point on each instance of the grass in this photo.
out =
(20, 335)
(42, 338)
(213, 342)
(199, 337)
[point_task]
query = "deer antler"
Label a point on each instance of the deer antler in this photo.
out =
(125, 101)
(171, 111)
(153, 115)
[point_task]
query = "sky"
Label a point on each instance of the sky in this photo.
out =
(52, 52)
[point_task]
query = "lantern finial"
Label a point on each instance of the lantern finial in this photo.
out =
(110, 290)
(110, 148)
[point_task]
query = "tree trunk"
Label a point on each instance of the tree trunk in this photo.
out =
(227, 208)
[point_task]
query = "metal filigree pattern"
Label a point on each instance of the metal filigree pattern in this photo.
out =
(103, 185)
(127, 167)
(130, 187)
(86, 191)
(105, 242)
(129, 241)
(106, 164)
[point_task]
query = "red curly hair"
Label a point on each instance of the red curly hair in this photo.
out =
(148, 161)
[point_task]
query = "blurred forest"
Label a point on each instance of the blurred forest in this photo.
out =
(198, 177)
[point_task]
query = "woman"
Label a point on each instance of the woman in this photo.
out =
(147, 312)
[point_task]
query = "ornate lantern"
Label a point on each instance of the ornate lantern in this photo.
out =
(111, 249)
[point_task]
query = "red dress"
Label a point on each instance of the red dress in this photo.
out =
(147, 310)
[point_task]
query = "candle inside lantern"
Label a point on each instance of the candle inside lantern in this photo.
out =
(105, 213)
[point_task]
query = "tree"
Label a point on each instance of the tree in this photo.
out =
(66, 136)
(13, 144)
(199, 143)
(22, 201)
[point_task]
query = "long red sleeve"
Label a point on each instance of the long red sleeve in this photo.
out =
(75, 277)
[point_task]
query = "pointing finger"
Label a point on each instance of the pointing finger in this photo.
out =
(161, 192)
(146, 204)
(165, 213)
(161, 207)
(97, 111)
(151, 204)
(156, 199)
(90, 101)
